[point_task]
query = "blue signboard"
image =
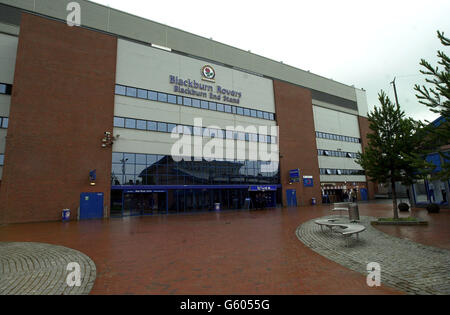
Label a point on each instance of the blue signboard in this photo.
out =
(294, 175)
(263, 188)
(143, 191)
(308, 181)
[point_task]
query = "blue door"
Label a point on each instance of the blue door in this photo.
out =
(91, 206)
(291, 196)
(364, 195)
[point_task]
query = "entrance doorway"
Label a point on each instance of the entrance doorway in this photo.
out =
(137, 203)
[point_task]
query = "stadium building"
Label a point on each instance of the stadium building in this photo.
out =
(124, 116)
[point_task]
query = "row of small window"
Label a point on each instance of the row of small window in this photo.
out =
(330, 171)
(338, 154)
(139, 124)
(5, 88)
(4, 122)
(331, 136)
(191, 102)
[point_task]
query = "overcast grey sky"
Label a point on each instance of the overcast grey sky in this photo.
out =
(362, 43)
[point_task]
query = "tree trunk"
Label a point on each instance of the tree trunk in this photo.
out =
(394, 198)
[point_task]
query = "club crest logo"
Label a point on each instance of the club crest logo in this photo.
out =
(208, 73)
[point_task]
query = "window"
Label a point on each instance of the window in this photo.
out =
(131, 91)
(153, 96)
(220, 107)
(263, 138)
(152, 126)
(120, 89)
(119, 122)
(187, 130)
(271, 116)
(274, 139)
(266, 115)
(239, 111)
(141, 159)
(253, 137)
(246, 112)
(198, 131)
(2, 159)
(187, 101)
(227, 108)
(130, 123)
(172, 99)
(233, 109)
(253, 113)
(117, 157)
(129, 158)
(212, 106)
(196, 103)
(204, 105)
(162, 97)
(179, 100)
(260, 114)
(171, 127)
(142, 93)
(141, 124)
(162, 127)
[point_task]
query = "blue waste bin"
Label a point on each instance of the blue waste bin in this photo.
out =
(313, 201)
(66, 215)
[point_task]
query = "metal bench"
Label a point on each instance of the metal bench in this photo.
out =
(329, 223)
(346, 229)
(341, 206)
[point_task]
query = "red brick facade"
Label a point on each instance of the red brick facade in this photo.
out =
(363, 131)
(297, 140)
(62, 103)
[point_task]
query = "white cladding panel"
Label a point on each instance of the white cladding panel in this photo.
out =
(8, 52)
(150, 68)
(3, 140)
(338, 163)
(361, 98)
(335, 122)
(5, 102)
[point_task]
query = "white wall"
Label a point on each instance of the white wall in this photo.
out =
(361, 98)
(339, 123)
(336, 122)
(8, 51)
(149, 68)
(342, 179)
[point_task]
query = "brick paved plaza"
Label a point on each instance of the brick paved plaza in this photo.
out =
(220, 253)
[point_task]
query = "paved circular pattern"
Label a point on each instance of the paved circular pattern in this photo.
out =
(405, 265)
(41, 269)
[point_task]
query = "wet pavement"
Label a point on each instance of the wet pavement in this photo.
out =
(237, 252)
